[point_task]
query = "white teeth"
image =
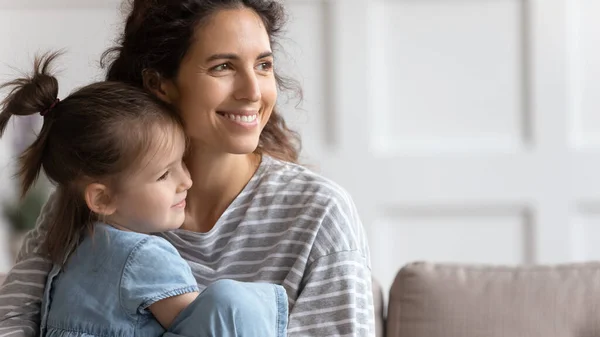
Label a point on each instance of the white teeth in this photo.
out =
(242, 119)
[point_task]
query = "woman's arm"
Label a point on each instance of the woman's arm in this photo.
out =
(22, 291)
(335, 297)
(336, 300)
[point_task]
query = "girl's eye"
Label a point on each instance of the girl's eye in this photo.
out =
(164, 176)
(265, 66)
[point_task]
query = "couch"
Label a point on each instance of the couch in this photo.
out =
(454, 300)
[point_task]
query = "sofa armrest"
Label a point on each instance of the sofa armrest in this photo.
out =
(443, 300)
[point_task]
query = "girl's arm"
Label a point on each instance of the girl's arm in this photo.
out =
(166, 310)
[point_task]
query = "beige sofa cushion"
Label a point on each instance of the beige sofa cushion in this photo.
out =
(437, 300)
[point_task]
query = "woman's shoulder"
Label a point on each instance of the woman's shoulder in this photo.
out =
(337, 223)
(297, 180)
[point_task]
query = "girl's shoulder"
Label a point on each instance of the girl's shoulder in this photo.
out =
(133, 258)
(106, 245)
(107, 237)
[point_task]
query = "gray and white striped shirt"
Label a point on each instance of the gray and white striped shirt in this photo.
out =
(288, 226)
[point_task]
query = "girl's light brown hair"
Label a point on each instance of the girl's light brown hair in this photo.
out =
(95, 134)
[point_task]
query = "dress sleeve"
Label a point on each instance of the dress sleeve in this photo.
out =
(153, 271)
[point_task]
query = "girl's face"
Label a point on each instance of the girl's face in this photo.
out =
(226, 89)
(153, 198)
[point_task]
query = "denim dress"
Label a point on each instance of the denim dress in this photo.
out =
(109, 282)
(112, 278)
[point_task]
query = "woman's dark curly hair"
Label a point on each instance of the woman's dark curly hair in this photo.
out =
(159, 33)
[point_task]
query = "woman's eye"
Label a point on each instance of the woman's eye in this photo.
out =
(164, 176)
(265, 66)
(221, 67)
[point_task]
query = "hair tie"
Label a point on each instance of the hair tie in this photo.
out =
(43, 113)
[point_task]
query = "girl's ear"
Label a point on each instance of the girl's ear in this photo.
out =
(99, 199)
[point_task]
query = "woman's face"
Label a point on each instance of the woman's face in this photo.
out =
(225, 88)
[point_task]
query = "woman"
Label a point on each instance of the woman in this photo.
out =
(252, 213)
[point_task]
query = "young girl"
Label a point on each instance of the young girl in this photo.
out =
(115, 155)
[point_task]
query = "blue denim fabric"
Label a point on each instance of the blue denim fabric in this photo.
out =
(112, 278)
(229, 308)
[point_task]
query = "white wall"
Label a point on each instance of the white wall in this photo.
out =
(84, 29)
(466, 130)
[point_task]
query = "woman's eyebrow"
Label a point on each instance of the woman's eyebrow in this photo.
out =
(231, 56)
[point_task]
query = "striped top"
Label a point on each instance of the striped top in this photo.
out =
(288, 226)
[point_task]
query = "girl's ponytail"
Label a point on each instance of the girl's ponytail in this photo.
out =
(27, 96)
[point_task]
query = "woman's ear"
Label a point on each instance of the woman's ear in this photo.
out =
(162, 88)
(99, 200)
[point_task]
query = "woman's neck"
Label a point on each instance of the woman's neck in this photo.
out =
(217, 180)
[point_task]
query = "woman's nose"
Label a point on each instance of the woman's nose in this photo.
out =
(248, 86)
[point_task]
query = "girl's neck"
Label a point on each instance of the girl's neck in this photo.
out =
(217, 180)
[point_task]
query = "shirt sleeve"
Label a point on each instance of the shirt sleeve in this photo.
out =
(335, 295)
(337, 299)
(154, 271)
(22, 292)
